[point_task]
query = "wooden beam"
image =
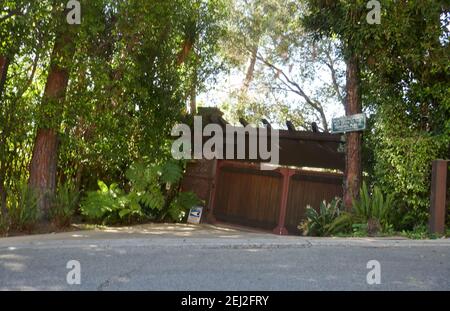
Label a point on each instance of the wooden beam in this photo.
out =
(310, 136)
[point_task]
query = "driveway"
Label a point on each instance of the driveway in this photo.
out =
(205, 257)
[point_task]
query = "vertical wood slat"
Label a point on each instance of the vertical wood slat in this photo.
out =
(310, 189)
(246, 196)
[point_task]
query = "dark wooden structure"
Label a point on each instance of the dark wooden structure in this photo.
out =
(239, 192)
(271, 200)
(439, 188)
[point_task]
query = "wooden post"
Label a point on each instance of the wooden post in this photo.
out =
(281, 229)
(438, 197)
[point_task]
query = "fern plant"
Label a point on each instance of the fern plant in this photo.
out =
(171, 172)
(101, 204)
(181, 205)
(153, 195)
(146, 188)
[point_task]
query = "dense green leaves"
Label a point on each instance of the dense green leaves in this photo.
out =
(135, 65)
(374, 207)
(327, 220)
(148, 198)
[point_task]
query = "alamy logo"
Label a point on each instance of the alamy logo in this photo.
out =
(374, 16)
(374, 275)
(74, 15)
(258, 143)
(74, 275)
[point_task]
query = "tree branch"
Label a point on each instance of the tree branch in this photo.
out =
(298, 90)
(330, 64)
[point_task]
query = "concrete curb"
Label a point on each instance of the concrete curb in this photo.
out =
(248, 242)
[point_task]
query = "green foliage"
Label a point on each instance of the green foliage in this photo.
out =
(23, 212)
(420, 232)
(181, 205)
(372, 213)
(374, 209)
(328, 220)
(103, 205)
(407, 86)
(135, 65)
(360, 230)
(63, 206)
(266, 43)
(409, 154)
(145, 187)
(171, 172)
(147, 198)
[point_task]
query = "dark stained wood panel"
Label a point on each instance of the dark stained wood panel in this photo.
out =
(248, 197)
(199, 178)
(310, 189)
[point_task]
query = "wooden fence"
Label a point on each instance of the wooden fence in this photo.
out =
(271, 200)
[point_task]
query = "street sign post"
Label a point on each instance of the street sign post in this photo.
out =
(354, 123)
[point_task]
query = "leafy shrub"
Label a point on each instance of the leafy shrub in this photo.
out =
(403, 156)
(360, 230)
(104, 204)
(328, 220)
(153, 194)
(145, 185)
(418, 233)
(23, 211)
(63, 206)
(181, 205)
(156, 189)
(374, 210)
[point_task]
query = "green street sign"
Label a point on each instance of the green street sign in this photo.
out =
(354, 123)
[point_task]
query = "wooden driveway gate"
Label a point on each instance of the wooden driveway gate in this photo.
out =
(271, 200)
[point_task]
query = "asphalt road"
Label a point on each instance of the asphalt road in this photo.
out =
(206, 258)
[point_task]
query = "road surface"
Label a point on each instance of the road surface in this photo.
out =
(188, 258)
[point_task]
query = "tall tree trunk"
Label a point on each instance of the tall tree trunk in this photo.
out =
(250, 70)
(4, 65)
(43, 166)
(45, 152)
(353, 172)
(186, 49)
(193, 94)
